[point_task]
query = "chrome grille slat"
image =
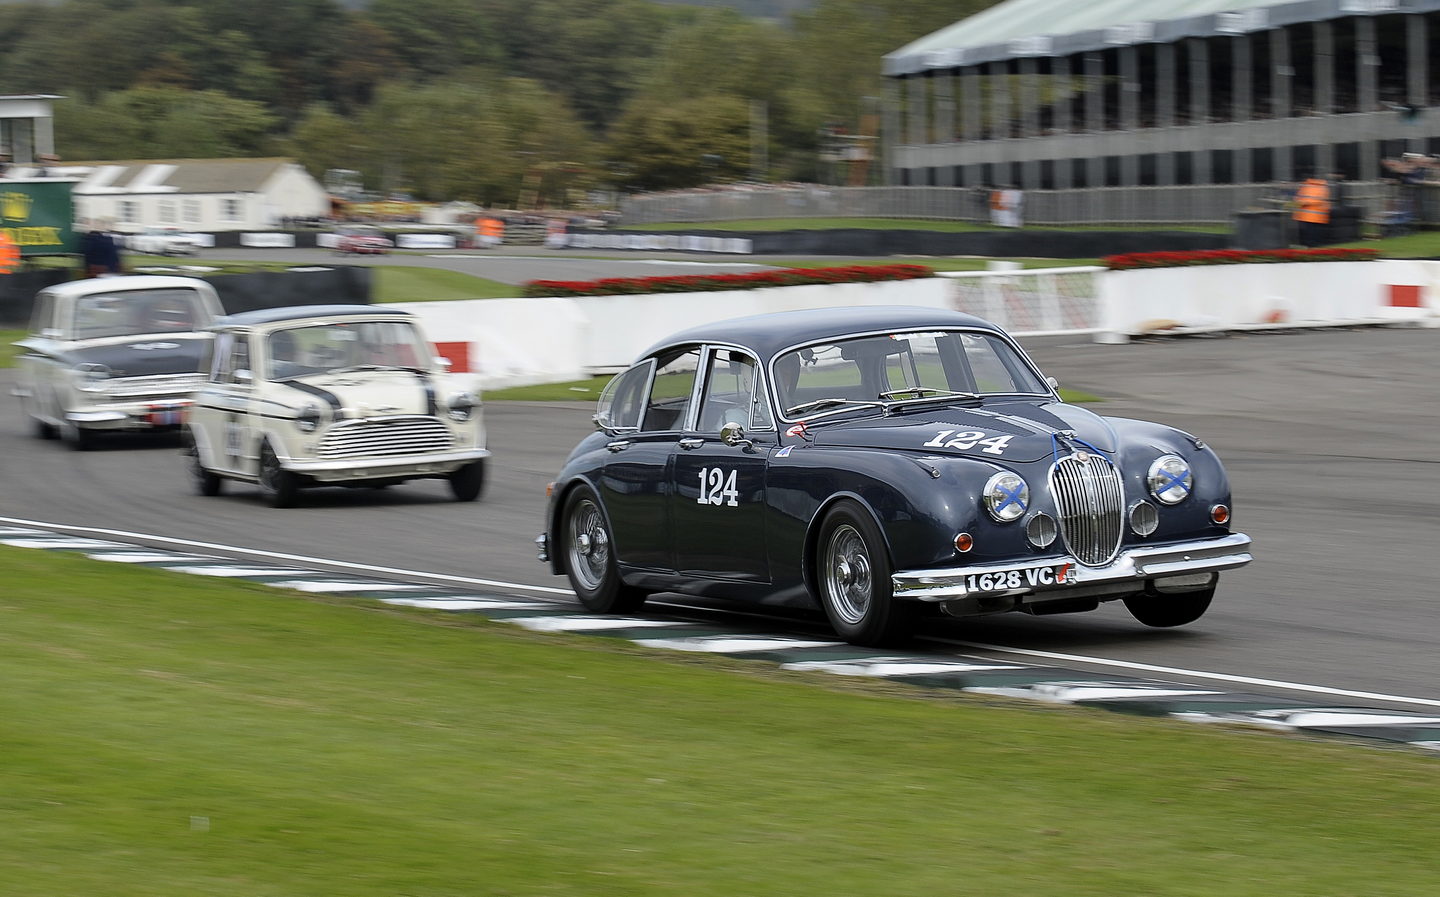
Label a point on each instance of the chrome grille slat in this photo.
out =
(385, 436)
(1090, 500)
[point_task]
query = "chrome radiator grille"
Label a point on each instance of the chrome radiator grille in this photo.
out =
(155, 385)
(1091, 501)
(385, 436)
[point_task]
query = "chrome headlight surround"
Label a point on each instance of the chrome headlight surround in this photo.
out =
(91, 377)
(461, 406)
(307, 419)
(1170, 479)
(1006, 497)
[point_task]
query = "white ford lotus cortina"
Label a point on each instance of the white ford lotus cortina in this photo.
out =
(335, 395)
(114, 353)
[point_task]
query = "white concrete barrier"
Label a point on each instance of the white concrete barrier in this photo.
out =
(513, 342)
(1247, 297)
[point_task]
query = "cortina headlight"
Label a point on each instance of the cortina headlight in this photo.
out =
(462, 406)
(1006, 497)
(1170, 480)
(307, 419)
(91, 377)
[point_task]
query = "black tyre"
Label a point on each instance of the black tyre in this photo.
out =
(206, 481)
(277, 484)
(852, 575)
(81, 439)
(588, 555)
(467, 483)
(42, 430)
(1170, 610)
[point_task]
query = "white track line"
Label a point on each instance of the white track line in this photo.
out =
(1177, 671)
(1025, 652)
(289, 558)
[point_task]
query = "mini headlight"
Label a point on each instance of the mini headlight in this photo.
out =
(1006, 497)
(1170, 480)
(307, 419)
(91, 377)
(462, 405)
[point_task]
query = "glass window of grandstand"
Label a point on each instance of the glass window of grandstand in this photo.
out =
(732, 394)
(128, 211)
(669, 404)
(167, 211)
(230, 209)
(192, 211)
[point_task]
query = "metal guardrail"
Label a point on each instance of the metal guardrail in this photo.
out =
(1211, 204)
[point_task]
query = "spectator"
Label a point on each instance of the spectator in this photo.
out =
(1312, 210)
(99, 251)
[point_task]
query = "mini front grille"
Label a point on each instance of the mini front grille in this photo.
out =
(1090, 499)
(385, 436)
(155, 386)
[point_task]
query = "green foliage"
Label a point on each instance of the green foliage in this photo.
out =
(163, 122)
(676, 87)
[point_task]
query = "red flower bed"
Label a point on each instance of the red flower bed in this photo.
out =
(700, 283)
(1133, 260)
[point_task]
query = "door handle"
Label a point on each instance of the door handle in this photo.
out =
(618, 445)
(691, 442)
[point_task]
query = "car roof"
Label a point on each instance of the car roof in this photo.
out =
(126, 282)
(770, 333)
(263, 316)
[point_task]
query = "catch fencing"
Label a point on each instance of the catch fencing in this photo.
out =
(1037, 302)
(1215, 204)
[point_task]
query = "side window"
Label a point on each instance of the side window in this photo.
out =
(239, 359)
(732, 394)
(623, 399)
(220, 357)
(42, 318)
(674, 383)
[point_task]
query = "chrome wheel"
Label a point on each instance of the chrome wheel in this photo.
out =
(849, 586)
(589, 544)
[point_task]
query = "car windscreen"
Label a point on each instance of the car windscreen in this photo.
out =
(901, 366)
(138, 312)
(331, 346)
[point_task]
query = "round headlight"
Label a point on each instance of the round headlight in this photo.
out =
(307, 419)
(462, 405)
(91, 377)
(1170, 480)
(1006, 497)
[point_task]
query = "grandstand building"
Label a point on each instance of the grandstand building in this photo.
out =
(1056, 94)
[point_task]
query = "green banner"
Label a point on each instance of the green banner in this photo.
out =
(39, 215)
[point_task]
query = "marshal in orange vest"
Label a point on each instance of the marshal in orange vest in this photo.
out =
(1312, 202)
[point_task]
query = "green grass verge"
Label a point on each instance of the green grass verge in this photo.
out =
(8, 351)
(589, 391)
(166, 734)
(402, 283)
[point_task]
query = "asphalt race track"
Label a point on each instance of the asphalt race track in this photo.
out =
(1331, 439)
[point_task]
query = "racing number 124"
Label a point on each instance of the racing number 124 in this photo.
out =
(716, 488)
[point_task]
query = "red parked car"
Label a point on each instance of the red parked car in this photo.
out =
(362, 239)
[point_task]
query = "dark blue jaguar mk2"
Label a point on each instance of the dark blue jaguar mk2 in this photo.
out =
(875, 461)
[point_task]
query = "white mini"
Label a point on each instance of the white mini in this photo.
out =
(340, 395)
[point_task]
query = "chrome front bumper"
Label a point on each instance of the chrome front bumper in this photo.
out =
(1134, 565)
(132, 415)
(328, 471)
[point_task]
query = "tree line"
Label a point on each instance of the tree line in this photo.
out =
(484, 100)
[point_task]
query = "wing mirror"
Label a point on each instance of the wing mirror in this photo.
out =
(443, 362)
(1054, 384)
(244, 377)
(733, 435)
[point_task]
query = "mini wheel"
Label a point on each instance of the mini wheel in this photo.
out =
(1164, 611)
(588, 556)
(207, 482)
(852, 574)
(468, 482)
(277, 484)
